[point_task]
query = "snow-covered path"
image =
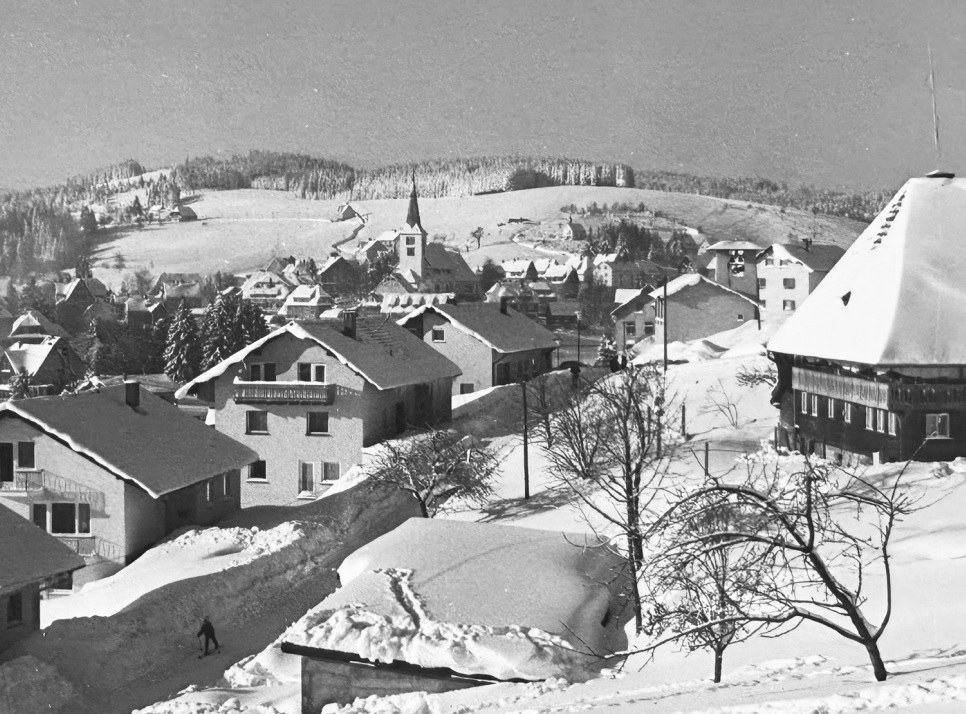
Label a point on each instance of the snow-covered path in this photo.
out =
(148, 651)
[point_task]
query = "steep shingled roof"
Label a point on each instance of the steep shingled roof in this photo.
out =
(154, 445)
(31, 554)
(689, 280)
(437, 257)
(504, 332)
(383, 353)
(897, 296)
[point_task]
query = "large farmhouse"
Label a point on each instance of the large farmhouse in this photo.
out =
(873, 365)
(309, 396)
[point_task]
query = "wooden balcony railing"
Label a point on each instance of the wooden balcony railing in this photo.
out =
(89, 546)
(283, 393)
(24, 480)
(894, 396)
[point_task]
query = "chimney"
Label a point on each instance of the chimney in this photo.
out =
(349, 323)
(504, 301)
(132, 393)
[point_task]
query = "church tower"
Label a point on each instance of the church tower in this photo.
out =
(736, 266)
(411, 243)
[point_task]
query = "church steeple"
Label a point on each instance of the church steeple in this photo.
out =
(412, 217)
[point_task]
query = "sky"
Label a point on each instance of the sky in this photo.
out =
(823, 92)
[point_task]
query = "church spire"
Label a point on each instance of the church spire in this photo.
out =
(412, 217)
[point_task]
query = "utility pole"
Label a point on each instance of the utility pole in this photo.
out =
(526, 443)
(665, 311)
(578, 336)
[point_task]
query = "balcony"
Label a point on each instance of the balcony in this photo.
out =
(283, 393)
(24, 481)
(894, 396)
(89, 546)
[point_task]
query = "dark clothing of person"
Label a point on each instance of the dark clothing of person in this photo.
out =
(208, 630)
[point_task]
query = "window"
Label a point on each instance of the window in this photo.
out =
(40, 515)
(937, 426)
(256, 471)
(761, 283)
(25, 454)
(893, 423)
(330, 471)
(15, 608)
(648, 328)
(256, 422)
(439, 334)
(831, 408)
(630, 328)
(788, 283)
(309, 372)
(210, 490)
(306, 476)
(814, 409)
(317, 423)
(410, 240)
(70, 518)
(870, 418)
(880, 420)
(803, 406)
(783, 262)
(847, 412)
(769, 261)
(466, 388)
(411, 252)
(740, 317)
(788, 305)
(262, 372)
(227, 484)
(762, 303)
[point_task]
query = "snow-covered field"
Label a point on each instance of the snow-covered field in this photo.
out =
(266, 569)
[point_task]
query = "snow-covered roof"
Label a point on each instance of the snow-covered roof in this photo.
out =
(30, 357)
(31, 554)
(382, 353)
(816, 257)
(32, 322)
(622, 295)
(414, 595)
(689, 280)
(505, 332)
(734, 245)
(898, 295)
(154, 445)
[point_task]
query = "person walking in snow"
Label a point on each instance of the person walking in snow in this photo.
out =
(208, 630)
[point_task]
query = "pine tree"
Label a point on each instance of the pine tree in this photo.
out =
(155, 362)
(250, 323)
(182, 354)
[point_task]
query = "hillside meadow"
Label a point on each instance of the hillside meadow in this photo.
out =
(244, 229)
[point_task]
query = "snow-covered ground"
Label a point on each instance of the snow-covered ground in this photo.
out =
(261, 573)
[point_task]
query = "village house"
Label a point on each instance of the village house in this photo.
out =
(348, 211)
(633, 317)
(309, 396)
(615, 272)
(52, 364)
(519, 270)
(32, 326)
(32, 562)
(873, 365)
(536, 582)
(306, 302)
(691, 307)
(71, 304)
(492, 345)
(266, 289)
(382, 244)
(787, 274)
(112, 471)
(338, 275)
(427, 267)
(172, 288)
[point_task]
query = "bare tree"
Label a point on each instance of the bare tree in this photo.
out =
(436, 466)
(817, 530)
(701, 596)
(612, 450)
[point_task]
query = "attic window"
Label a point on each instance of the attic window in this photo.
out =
(439, 334)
